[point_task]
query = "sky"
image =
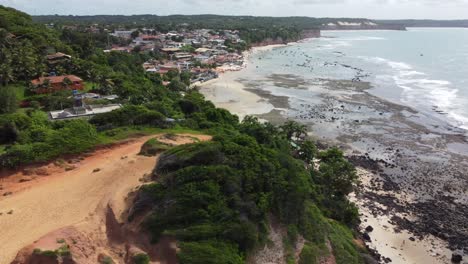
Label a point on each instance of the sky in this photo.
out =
(374, 9)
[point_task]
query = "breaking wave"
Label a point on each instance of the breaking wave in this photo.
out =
(418, 89)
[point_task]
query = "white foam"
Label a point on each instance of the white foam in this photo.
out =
(419, 90)
(412, 73)
(462, 121)
(363, 38)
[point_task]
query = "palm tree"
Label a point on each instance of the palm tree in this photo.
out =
(106, 85)
(294, 131)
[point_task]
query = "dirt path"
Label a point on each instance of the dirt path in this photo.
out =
(66, 198)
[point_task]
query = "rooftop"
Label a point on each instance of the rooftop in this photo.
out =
(56, 79)
(88, 110)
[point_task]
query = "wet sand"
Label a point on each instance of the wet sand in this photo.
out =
(416, 164)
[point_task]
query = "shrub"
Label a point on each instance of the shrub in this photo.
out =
(129, 116)
(209, 252)
(8, 100)
(153, 147)
(141, 258)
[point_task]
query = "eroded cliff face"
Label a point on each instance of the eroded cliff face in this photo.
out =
(309, 33)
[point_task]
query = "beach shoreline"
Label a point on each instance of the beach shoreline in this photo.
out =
(231, 92)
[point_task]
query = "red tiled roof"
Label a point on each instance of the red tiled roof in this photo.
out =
(56, 79)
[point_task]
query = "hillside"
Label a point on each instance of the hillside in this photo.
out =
(218, 201)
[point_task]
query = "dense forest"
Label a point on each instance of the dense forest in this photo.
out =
(218, 198)
(197, 21)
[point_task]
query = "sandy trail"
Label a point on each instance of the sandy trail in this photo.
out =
(67, 198)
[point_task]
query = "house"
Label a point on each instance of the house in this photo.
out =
(119, 49)
(170, 50)
(57, 83)
(124, 34)
(183, 56)
(85, 111)
(57, 58)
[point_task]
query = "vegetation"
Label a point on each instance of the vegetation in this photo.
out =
(8, 101)
(166, 23)
(141, 258)
(216, 198)
(153, 147)
(63, 251)
(224, 192)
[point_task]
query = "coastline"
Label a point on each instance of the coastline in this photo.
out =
(228, 91)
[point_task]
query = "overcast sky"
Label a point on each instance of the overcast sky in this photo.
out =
(383, 9)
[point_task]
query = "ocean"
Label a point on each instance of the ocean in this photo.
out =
(424, 68)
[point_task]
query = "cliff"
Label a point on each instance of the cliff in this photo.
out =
(309, 33)
(368, 25)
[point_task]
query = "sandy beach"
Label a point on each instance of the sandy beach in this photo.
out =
(228, 93)
(387, 211)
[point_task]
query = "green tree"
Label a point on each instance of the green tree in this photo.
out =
(66, 83)
(135, 34)
(307, 151)
(336, 173)
(6, 70)
(8, 100)
(293, 130)
(188, 48)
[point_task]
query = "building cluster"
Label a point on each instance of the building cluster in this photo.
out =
(203, 52)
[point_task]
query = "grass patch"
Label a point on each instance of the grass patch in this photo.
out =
(344, 249)
(88, 86)
(312, 252)
(114, 135)
(19, 89)
(153, 147)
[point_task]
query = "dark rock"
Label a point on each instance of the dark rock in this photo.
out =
(456, 258)
(412, 239)
(369, 229)
(368, 259)
(24, 180)
(366, 237)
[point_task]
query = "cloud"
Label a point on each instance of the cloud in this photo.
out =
(437, 9)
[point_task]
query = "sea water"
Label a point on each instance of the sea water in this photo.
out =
(423, 68)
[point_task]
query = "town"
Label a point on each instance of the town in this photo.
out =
(204, 53)
(199, 55)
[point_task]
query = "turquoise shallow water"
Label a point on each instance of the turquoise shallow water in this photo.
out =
(424, 68)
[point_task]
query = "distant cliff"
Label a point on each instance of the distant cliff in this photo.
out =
(427, 23)
(363, 25)
(309, 33)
